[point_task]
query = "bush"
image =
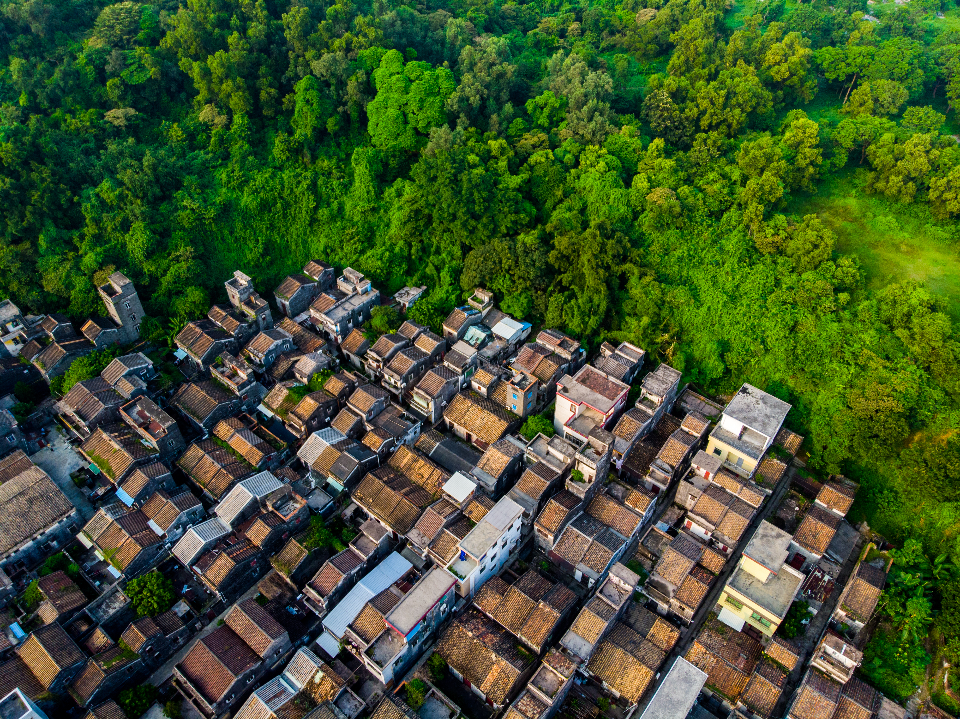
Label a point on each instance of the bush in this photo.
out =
(603, 703)
(537, 424)
(173, 708)
(437, 666)
(792, 624)
(151, 594)
(416, 693)
(57, 562)
(135, 701)
(32, 596)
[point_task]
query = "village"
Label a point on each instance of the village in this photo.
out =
(480, 523)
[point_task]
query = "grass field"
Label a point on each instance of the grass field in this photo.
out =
(892, 241)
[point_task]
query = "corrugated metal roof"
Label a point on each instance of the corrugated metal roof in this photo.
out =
(378, 579)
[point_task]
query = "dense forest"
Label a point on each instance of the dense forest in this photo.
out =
(618, 169)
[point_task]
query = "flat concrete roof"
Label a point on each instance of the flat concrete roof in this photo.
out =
(677, 692)
(769, 546)
(459, 487)
(758, 410)
(491, 527)
(775, 595)
(420, 600)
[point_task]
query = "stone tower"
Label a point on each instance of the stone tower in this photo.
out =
(123, 304)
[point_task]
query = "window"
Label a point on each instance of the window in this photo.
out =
(735, 603)
(126, 305)
(761, 620)
(573, 408)
(739, 461)
(716, 451)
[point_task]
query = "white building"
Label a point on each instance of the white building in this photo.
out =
(488, 546)
(587, 401)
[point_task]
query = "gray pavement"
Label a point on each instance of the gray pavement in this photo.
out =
(59, 459)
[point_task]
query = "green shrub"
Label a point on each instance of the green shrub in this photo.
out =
(437, 666)
(416, 693)
(537, 424)
(151, 594)
(136, 700)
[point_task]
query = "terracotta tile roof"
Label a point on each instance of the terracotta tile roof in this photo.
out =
(491, 594)
(254, 625)
(98, 641)
(365, 396)
(862, 592)
(139, 478)
(615, 515)
(571, 546)
(597, 557)
(484, 654)
(48, 651)
(483, 418)
(329, 576)
(445, 546)
(593, 619)
(790, 441)
(62, 592)
(532, 484)
(456, 319)
(392, 707)
(838, 494)
(728, 657)
(117, 448)
(695, 423)
(663, 634)
(674, 564)
(816, 698)
(108, 710)
(14, 464)
(858, 700)
(428, 342)
(292, 284)
(346, 421)
(215, 662)
(694, 588)
(290, 557)
(392, 498)
(712, 560)
(478, 507)
(712, 504)
(14, 673)
(213, 468)
(200, 399)
(498, 457)
(764, 688)
(557, 510)
(783, 652)
(433, 520)
(816, 530)
(137, 633)
(226, 561)
(620, 670)
(418, 469)
(435, 380)
(770, 470)
(528, 706)
(676, 448)
(355, 343)
(736, 519)
(305, 340)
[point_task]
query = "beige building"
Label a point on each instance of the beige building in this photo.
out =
(747, 428)
(763, 586)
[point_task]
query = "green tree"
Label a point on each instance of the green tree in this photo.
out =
(151, 594)
(135, 701)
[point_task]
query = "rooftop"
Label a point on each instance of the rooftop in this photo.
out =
(593, 387)
(769, 546)
(677, 692)
(491, 527)
(418, 601)
(775, 595)
(758, 410)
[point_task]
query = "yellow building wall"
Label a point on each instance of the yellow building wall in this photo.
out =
(731, 455)
(746, 609)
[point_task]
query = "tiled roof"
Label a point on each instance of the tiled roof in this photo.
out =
(48, 651)
(254, 626)
(482, 418)
(838, 494)
(61, 591)
(712, 504)
(695, 423)
(392, 498)
(770, 470)
(137, 633)
(212, 467)
(86, 399)
(346, 421)
(620, 669)
(355, 343)
(816, 698)
(117, 448)
(498, 457)
(609, 511)
(764, 688)
(727, 656)
(139, 478)
(418, 469)
(200, 399)
(14, 464)
(198, 337)
(790, 441)
(862, 592)
(674, 563)
(593, 619)
(676, 448)
(108, 710)
(292, 284)
(435, 379)
(858, 700)
(784, 652)
(365, 396)
(29, 504)
(694, 588)
(557, 510)
(215, 662)
(816, 530)
(484, 654)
